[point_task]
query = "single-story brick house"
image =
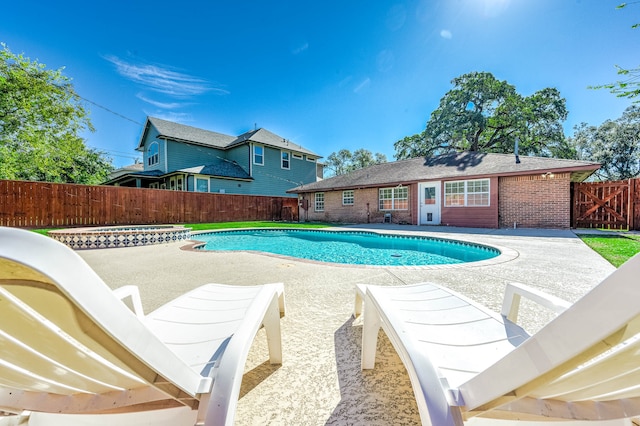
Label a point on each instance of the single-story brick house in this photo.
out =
(462, 189)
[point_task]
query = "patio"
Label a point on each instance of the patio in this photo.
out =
(320, 381)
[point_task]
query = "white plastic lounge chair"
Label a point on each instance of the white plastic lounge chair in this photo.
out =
(466, 361)
(69, 345)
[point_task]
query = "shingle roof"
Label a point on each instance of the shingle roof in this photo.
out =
(450, 166)
(184, 133)
(266, 137)
(181, 132)
(224, 169)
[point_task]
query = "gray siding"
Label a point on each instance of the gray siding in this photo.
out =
(241, 155)
(272, 179)
(152, 137)
(231, 186)
(182, 155)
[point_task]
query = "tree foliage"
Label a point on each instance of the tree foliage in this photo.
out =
(344, 161)
(615, 144)
(40, 119)
(482, 113)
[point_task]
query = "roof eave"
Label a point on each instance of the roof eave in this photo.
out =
(582, 171)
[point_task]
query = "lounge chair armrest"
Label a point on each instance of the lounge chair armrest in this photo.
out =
(135, 303)
(513, 293)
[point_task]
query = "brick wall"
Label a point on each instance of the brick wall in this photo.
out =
(364, 208)
(535, 202)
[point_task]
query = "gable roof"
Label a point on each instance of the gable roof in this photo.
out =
(183, 133)
(194, 135)
(464, 165)
(263, 136)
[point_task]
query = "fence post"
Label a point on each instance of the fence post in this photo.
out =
(631, 225)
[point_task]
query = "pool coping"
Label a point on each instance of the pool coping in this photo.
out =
(506, 254)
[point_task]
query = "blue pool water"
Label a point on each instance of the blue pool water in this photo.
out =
(359, 248)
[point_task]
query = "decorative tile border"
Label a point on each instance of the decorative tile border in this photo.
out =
(120, 236)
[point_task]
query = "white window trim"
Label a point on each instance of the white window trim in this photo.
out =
(394, 199)
(150, 157)
(466, 193)
(352, 197)
(282, 160)
(316, 202)
(254, 155)
(296, 156)
(311, 159)
(195, 183)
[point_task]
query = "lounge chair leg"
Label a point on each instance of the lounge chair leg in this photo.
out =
(271, 324)
(370, 329)
(361, 290)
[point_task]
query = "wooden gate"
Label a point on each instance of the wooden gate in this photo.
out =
(608, 205)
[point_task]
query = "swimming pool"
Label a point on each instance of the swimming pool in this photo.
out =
(348, 247)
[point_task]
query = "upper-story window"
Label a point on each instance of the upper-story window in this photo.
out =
(258, 155)
(285, 155)
(153, 157)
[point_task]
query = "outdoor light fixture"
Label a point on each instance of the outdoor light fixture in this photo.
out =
(548, 175)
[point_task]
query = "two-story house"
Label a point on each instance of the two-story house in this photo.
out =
(185, 158)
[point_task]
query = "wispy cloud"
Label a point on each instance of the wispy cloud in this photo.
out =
(446, 34)
(363, 84)
(158, 104)
(176, 117)
(163, 79)
(300, 49)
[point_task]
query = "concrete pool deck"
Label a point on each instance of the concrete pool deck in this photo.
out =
(320, 381)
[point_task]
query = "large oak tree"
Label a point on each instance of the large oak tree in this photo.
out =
(482, 113)
(41, 118)
(615, 144)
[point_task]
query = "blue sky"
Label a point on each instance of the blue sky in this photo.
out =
(325, 74)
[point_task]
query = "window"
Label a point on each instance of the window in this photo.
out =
(347, 198)
(454, 194)
(312, 159)
(470, 193)
(202, 185)
(175, 183)
(284, 155)
(319, 207)
(430, 195)
(258, 155)
(152, 154)
(394, 198)
(297, 156)
(478, 192)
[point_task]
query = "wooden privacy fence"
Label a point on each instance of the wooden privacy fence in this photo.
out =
(41, 205)
(609, 205)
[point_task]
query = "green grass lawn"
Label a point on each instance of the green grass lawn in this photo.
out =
(226, 225)
(253, 224)
(617, 249)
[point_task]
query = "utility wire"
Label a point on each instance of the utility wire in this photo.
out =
(108, 110)
(69, 89)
